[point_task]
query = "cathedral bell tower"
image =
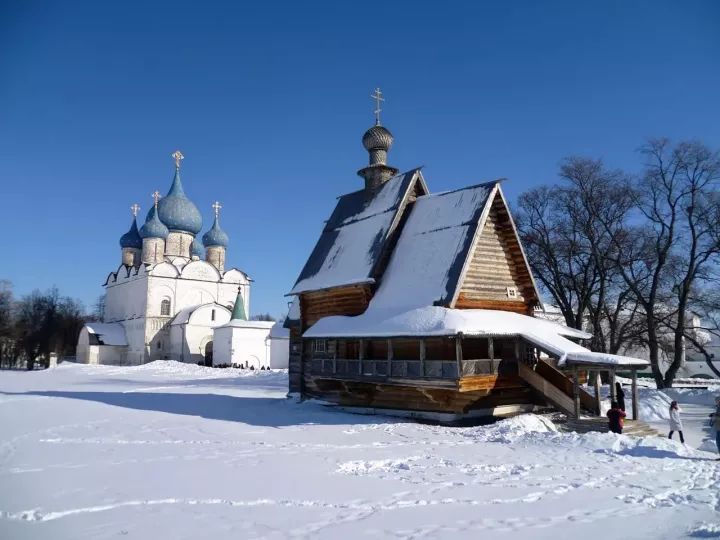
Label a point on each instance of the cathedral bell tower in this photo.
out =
(377, 141)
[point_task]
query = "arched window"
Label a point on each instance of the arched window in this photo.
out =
(165, 307)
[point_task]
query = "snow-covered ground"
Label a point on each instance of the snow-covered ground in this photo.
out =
(177, 451)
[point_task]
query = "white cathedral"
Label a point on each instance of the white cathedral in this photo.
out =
(165, 302)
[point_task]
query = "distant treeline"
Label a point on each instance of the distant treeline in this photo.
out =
(37, 325)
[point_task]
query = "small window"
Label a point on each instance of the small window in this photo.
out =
(320, 346)
(212, 315)
(165, 308)
(159, 345)
(512, 292)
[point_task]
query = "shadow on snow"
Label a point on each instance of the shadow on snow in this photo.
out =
(255, 411)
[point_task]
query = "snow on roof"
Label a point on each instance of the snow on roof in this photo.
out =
(293, 316)
(279, 331)
(604, 359)
(439, 321)
(427, 262)
(183, 316)
(238, 323)
(354, 237)
(108, 333)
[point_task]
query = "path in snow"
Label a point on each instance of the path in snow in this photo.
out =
(188, 452)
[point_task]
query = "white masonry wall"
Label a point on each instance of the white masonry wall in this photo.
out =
(243, 343)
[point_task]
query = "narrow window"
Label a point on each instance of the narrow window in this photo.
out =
(165, 308)
(319, 346)
(212, 315)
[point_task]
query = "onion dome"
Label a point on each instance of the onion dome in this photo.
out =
(175, 210)
(377, 138)
(196, 249)
(154, 228)
(131, 239)
(216, 236)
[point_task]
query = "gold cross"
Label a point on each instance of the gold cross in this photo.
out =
(135, 208)
(156, 197)
(217, 206)
(177, 156)
(377, 96)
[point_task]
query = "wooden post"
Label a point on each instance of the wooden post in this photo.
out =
(576, 391)
(491, 354)
(422, 357)
(335, 352)
(458, 353)
(598, 401)
(634, 395)
(361, 355)
(611, 378)
(517, 349)
(389, 357)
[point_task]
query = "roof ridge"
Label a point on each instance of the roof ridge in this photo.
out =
(489, 183)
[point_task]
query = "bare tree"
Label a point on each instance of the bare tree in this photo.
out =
(569, 249)
(674, 244)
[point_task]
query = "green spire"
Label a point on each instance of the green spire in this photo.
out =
(238, 313)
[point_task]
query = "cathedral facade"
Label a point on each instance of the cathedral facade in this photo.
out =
(170, 291)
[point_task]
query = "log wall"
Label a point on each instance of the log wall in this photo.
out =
(496, 264)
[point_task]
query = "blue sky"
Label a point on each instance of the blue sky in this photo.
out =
(268, 101)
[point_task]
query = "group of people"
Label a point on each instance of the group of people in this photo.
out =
(616, 416)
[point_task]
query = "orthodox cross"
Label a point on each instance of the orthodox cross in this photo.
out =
(377, 96)
(216, 206)
(156, 197)
(177, 156)
(135, 208)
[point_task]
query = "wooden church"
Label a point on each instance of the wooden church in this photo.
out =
(423, 304)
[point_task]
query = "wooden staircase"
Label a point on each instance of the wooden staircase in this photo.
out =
(557, 389)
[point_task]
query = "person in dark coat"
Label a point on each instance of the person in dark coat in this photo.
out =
(615, 418)
(620, 396)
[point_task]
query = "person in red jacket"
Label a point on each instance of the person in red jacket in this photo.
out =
(615, 417)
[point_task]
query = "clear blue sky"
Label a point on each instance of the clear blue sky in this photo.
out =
(268, 102)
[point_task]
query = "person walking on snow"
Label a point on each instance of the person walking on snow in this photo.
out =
(615, 417)
(620, 393)
(675, 422)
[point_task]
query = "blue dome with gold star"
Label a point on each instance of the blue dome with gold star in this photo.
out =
(131, 239)
(216, 236)
(153, 228)
(175, 210)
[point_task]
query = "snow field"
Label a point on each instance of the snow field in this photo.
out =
(191, 452)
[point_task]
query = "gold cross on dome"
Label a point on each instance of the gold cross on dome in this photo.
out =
(177, 156)
(217, 206)
(135, 208)
(156, 197)
(377, 96)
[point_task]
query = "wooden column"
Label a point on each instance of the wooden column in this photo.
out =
(335, 352)
(422, 357)
(491, 354)
(598, 400)
(458, 354)
(611, 378)
(634, 395)
(389, 357)
(361, 355)
(576, 391)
